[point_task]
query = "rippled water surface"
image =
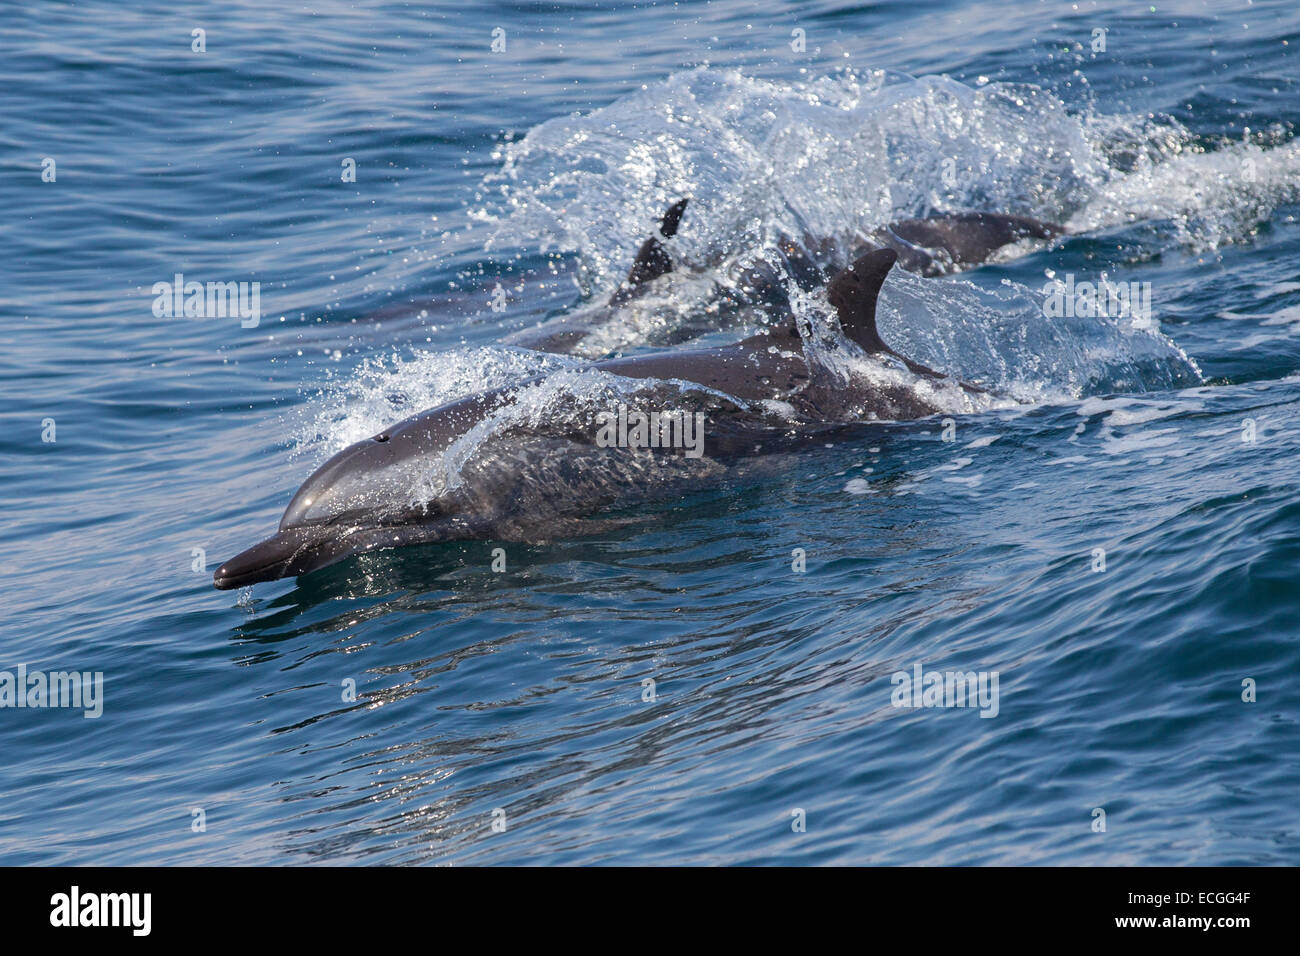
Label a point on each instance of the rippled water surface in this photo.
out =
(1118, 537)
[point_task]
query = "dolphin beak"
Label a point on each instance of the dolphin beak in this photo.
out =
(289, 552)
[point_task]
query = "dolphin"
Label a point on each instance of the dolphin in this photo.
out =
(939, 244)
(528, 481)
(933, 245)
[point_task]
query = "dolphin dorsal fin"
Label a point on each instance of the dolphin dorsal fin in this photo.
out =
(668, 225)
(853, 294)
(652, 260)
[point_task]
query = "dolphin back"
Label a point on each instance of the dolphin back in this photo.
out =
(946, 242)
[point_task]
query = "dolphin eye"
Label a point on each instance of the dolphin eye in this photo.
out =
(383, 437)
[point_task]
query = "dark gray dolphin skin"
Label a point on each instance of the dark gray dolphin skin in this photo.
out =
(939, 244)
(652, 261)
(930, 246)
(537, 483)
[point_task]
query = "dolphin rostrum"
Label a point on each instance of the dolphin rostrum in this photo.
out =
(513, 478)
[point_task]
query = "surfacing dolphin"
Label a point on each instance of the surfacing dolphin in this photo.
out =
(527, 481)
(930, 246)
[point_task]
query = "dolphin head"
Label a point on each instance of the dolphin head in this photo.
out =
(329, 517)
(373, 494)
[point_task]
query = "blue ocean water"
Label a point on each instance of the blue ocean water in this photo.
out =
(1167, 454)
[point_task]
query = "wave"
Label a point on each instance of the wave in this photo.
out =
(839, 156)
(835, 158)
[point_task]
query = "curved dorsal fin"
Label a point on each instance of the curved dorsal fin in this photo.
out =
(668, 226)
(853, 293)
(652, 260)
